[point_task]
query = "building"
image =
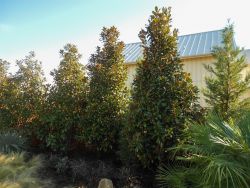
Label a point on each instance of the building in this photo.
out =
(195, 52)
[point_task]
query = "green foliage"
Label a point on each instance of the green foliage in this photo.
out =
(15, 172)
(163, 95)
(217, 154)
(108, 93)
(22, 95)
(66, 102)
(227, 86)
(11, 142)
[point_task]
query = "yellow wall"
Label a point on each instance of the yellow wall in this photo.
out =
(195, 66)
(244, 74)
(131, 68)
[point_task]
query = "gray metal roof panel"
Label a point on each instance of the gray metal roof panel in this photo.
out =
(196, 44)
(133, 52)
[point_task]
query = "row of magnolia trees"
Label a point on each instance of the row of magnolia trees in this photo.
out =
(89, 107)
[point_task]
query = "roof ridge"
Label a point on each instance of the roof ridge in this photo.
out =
(133, 43)
(183, 35)
(202, 32)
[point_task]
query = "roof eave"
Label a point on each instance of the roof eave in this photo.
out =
(196, 56)
(131, 63)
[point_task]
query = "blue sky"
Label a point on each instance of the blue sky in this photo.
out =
(45, 26)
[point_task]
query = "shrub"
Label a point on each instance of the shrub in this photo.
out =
(62, 166)
(11, 142)
(79, 169)
(90, 171)
(217, 155)
(128, 178)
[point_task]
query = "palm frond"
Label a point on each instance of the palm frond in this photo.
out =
(219, 151)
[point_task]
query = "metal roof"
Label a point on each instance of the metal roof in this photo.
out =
(197, 44)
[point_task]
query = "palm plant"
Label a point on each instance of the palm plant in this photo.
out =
(216, 155)
(11, 142)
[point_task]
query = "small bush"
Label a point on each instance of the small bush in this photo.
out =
(11, 142)
(79, 169)
(63, 165)
(91, 171)
(128, 179)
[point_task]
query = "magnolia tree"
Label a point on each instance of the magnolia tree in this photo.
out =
(66, 102)
(108, 94)
(22, 94)
(163, 95)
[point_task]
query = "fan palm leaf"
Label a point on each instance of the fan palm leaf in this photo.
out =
(218, 153)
